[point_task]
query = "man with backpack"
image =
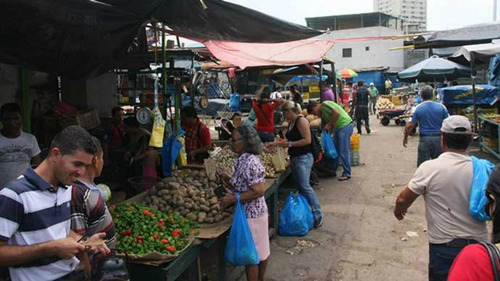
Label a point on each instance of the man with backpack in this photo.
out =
(337, 122)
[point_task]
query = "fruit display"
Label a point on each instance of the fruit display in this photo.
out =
(383, 103)
(225, 159)
(492, 116)
(141, 230)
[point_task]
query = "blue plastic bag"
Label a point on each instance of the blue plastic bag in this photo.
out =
(328, 145)
(240, 248)
(296, 219)
(477, 200)
(170, 151)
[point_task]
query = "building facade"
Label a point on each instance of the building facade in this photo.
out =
(414, 12)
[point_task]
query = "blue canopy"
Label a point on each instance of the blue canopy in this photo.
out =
(485, 94)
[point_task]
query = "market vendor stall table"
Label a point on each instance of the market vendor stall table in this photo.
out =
(187, 265)
(488, 138)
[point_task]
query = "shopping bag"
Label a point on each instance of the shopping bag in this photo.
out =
(296, 219)
(279, 160)
(171, 149)
(158, 129)
(240, 248)
(328, 145)
(481, 174)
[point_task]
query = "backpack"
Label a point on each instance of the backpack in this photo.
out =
(316, 148)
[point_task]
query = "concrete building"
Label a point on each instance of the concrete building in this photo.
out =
(414, 12)
(363, 54)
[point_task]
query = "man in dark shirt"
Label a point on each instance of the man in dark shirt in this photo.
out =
(361, 97)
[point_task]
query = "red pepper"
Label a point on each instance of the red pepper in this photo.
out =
(155, 236)
(139, 241)
(182, 220)
(175, 233)
(171, 249)
(164, 241)
(139, 237)
(131, 208)
(147, 212)
(127, 232)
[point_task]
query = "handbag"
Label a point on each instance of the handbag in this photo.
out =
(494, 254)
(240, 248)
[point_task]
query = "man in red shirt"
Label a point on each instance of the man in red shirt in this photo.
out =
(198, 141)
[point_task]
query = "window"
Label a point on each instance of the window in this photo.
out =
(347, 53)
(367, 48)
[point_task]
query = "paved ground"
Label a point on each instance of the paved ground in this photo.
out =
(360, 238)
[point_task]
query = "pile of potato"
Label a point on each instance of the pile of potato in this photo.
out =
(190, 194)
(225, 159)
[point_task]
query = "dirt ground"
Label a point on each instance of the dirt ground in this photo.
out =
(360, 238)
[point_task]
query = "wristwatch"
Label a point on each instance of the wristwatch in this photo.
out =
(290, 144)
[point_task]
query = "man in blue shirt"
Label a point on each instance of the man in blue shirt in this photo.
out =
(429, 116)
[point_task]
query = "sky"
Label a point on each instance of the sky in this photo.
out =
(441, 14)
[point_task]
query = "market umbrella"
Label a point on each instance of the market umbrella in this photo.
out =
(432, 69)
(346, 73)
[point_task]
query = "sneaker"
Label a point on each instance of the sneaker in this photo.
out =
(318, 223)
(368, 131)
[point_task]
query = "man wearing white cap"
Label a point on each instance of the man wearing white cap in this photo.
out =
(445, 183)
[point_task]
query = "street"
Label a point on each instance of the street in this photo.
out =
(360, 238)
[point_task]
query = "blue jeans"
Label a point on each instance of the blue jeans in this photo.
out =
(301, 170)
(441, 258)
(342, 141)
(429, 147)
(266, 136)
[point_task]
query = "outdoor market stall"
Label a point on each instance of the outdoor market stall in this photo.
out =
(208, 233)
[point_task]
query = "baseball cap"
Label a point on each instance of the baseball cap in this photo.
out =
(371, 83)
(456, 124)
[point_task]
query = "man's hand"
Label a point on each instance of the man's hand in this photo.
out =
(399, 214)
(403, 202)
(67, 248)
(405, 140)
(101, 248)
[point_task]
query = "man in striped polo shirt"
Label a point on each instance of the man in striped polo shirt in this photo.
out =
(35, 238)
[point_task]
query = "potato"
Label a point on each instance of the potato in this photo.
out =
(204, 208)
(174, 185)
(214, 200)
(202, 201)
(214, 212)
(209, 220)
(188, 205)
(218, 218)
(159, 185)
(202, 216)
(215, 207)
(191, 193)
(192, 216)
(184, 212)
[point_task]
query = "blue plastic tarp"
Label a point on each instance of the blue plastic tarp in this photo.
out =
(485, 94)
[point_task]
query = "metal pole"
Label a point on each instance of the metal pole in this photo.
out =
(473, 76)
(334, 80)
(164, 70)
(320, 76)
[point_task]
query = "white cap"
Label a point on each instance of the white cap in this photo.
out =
(456, 124)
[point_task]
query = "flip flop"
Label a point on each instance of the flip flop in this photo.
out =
(343, 178)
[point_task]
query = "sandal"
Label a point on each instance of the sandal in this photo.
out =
(343, 178)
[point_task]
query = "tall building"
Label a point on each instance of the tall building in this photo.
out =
(414, 12)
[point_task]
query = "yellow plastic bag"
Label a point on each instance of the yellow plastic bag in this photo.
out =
(182, 154)
(158, 129)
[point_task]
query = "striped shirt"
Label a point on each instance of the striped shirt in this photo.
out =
(33, 212)
(89, 214)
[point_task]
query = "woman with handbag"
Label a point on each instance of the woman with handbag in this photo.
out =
(301, 157)
(482, 261)
(248, 180)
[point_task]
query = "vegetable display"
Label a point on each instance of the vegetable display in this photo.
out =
(141, 230)
(383, 103)
(191, 194)
(225, 160)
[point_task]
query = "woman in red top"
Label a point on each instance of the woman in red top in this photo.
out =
(264, 111)
(473, 262)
